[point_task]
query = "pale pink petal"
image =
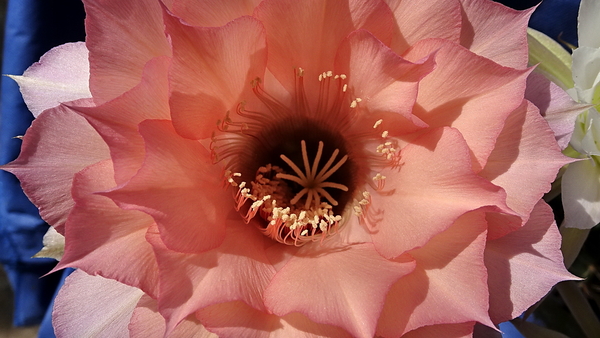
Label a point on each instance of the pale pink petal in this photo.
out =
(103, 239)
(524, 265)
(314, 30)
(58, 144)
(61, 75)
(385, 83)
(147, 322)
(93, 306)
(354, 232)
(581, 194)
(211, 71)
(496, 32)
(236, 270)
(180, 188)
(122, 36)
(520, 165)
(117, 120)
(464, 91)
(417, 20)
(555, 105)
(462, 330)
(435, 182)
(500, 224)
(236, 319)
(343, 286)
(449, 284)
(212, 13)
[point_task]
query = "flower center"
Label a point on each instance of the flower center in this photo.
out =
(299, 195)
(295, 165)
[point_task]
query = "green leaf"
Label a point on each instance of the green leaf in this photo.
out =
(552, 59)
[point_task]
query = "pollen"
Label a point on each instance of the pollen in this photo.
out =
(294, 218)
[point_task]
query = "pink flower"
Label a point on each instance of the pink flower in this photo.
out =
(293, 168)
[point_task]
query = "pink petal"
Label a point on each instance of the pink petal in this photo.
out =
(524, 265)
(180, 188)
(237, 319)
(496, 32)
(386, 83)
(342, 286)
(103, 239)
(417, 20)
(236, 270)
(87, 306)
(432, 187)
(117, 120)
(147, 322)
(211, 71)
(122, 36)
(462, 330)
(61, 143)
(449, 284)
(212, 13)
(314, 30)
(61, 75)
(555, 105)
(524, 162)
(464, 90)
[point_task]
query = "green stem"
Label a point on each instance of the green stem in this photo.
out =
(572, 241)
(580, 308)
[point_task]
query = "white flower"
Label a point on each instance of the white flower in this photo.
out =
(581, 181)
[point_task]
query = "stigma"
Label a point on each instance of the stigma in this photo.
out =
(296, 207)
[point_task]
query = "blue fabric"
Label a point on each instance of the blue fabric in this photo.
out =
(557, 19)
(32, 28)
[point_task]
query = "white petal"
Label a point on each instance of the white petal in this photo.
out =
(61, 75)
(581, 194)
(587, 133)
(589, 23)
(54, 245)
(586, 72)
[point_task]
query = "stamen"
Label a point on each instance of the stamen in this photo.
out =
(380, 181)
